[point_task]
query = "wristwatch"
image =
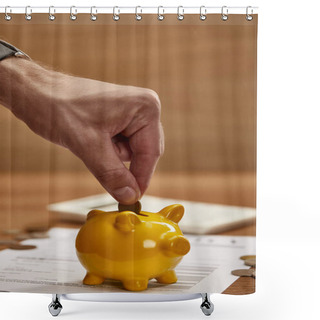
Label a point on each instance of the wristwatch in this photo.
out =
(7, 50)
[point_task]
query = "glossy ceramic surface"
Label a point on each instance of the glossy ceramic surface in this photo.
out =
(132, 248)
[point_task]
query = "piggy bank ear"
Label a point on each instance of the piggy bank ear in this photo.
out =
(93, 213)
(126, 221)
(174, 212)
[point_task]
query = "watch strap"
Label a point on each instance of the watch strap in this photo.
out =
(8, 50)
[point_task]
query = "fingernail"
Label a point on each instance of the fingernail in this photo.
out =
(126, 195)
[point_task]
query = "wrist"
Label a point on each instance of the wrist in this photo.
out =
(25, 89)
(15, 82)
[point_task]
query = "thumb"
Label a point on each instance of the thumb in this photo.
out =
(110, 171)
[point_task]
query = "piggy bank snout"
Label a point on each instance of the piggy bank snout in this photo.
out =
(176, 246)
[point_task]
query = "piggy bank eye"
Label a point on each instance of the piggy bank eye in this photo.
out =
(126, 221)
(174, 212)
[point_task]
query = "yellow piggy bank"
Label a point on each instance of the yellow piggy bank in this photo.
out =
(132, 248)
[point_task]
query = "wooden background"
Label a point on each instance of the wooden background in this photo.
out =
(205, 75)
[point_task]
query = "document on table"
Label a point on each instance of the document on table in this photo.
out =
(53, 266)
(199, 217)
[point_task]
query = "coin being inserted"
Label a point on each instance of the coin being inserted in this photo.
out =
(136, 207)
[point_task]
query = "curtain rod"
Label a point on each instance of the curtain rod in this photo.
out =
(128, 10)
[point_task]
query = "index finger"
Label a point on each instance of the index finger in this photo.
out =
(147, 146)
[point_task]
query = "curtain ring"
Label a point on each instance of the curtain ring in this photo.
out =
(224, 13)
(93, 16)
(52, 11)
(249, 17)
(203, 13)
(160, 15)
(116, 16)
(180, 13)
(6, 14)
(138, 16)
(73, 14)
(28, 13)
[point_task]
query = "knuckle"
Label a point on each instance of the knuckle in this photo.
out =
(154, 99)
(151, 101)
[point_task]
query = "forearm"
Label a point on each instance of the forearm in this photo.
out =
(26, 89)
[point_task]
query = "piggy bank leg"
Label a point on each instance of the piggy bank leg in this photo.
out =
(92, 279)
(135, 284)
(168, 277)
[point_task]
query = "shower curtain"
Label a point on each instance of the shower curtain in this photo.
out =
(172, 94)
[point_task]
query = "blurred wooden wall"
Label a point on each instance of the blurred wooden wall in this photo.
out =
(204, 73)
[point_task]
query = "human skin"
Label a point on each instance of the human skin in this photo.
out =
(103, 124)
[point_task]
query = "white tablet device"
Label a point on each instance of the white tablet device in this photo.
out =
(199, 217)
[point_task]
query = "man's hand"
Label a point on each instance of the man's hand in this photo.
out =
(103, 124)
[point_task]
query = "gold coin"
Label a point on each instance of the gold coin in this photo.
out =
(18, 246)
(248, 257)
(244, 273)
(136, 207)
(250, 262)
